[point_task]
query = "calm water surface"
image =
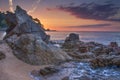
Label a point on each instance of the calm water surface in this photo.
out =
(101, 37)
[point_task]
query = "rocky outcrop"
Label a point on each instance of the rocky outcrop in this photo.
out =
(72, 41)
(73, 37)
(28, 41)
(105, 60)
(33, 50)
(23, 23)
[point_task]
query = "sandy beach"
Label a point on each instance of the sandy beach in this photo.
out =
(13, 69)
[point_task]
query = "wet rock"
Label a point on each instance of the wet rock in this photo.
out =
(45, 71)
(66, 78)
(113, 44)
(105, 60)
(83, 49)
(48, 71)
(92, 45)
(81, 56)
(2, 55)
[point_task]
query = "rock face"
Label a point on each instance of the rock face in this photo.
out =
(29, 42)
(26, 24)
(11, 20)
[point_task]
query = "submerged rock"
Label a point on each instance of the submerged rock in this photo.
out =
(83, 49)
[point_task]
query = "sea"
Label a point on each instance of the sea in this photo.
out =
(87, 36)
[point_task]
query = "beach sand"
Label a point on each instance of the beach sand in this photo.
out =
(12, 68)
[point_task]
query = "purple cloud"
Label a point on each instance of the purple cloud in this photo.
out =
(91, 26)
(93, 11)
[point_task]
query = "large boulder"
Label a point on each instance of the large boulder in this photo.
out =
(73, 37)
(72, 41)
(33, 50)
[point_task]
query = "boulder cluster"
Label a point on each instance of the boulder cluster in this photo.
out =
(98, 55)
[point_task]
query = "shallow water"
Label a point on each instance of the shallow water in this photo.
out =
(83, 71)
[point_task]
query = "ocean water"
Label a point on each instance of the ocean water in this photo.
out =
(100, 37)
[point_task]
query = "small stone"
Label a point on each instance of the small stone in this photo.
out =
(2, 55)
(48, 71)
(66, 78)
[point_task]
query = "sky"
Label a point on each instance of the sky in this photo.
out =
(72, 15)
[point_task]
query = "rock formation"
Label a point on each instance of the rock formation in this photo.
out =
(71, 41)
(29, 42)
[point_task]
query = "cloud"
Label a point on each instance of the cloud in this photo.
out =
(91, 26)
(95, 11)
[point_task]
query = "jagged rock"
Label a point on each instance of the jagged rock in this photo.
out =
(113, 44)
(2, 55)
(48, 70)
(83, 49)
(72, 41)
(45, 72)
(28, 41)
(105, 60)
(26, 24)
(102, 50)
(81, 56)
(33, 50)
